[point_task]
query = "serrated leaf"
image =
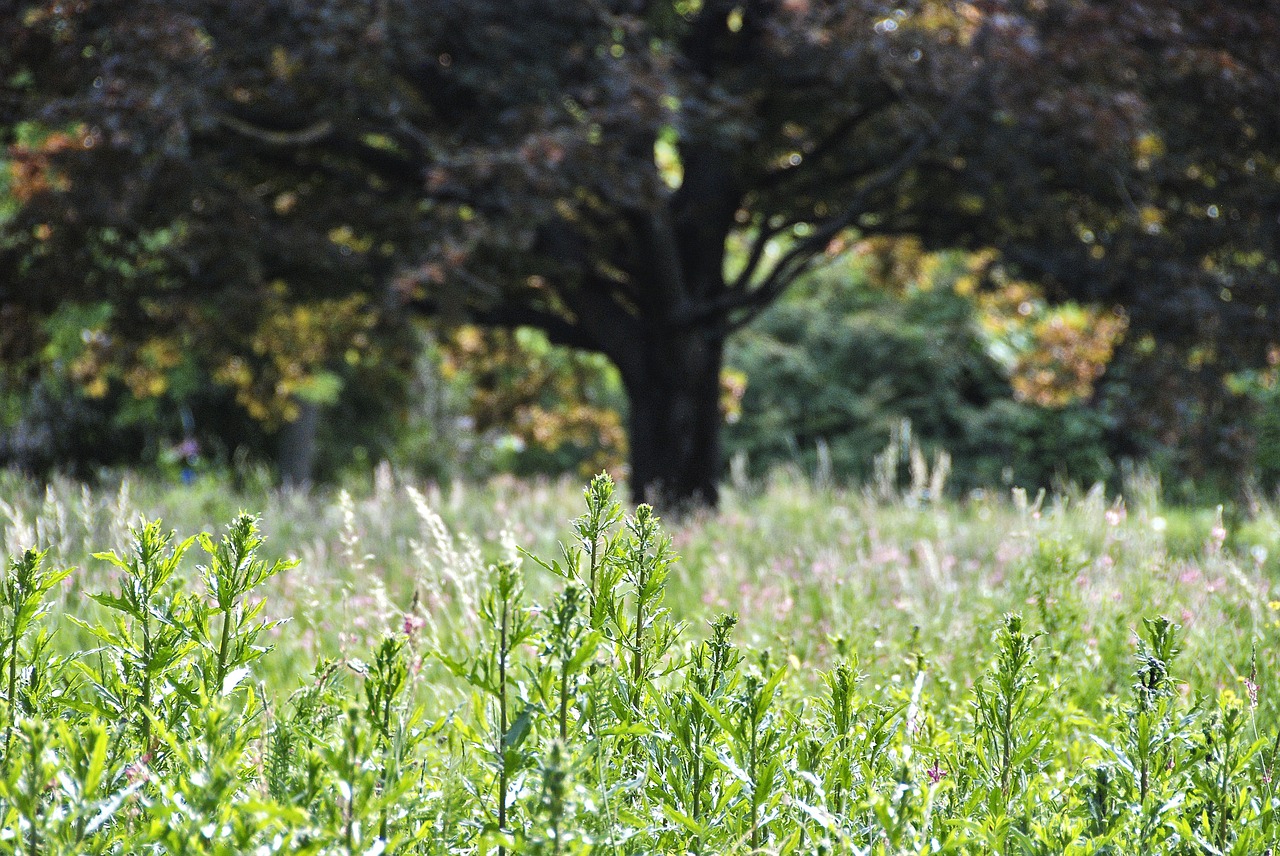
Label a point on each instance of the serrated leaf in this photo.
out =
(113, 559)
(119, 604)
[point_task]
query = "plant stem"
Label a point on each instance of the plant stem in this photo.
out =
(564, 700)
(222, 647)
(502, 720)
(146, 680)
(1006, 740)
(755, 791)
(636, 658)
(595, 541)
(13, 688)
(34, 841)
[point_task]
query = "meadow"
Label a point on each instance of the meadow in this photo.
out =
(531, 667)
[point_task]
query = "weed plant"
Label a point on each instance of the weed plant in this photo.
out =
(889, 677)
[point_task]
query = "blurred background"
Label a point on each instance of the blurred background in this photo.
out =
(1010, 243)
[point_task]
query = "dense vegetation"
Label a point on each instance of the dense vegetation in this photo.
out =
(226, 216)
(820, 671)
(1023, 243)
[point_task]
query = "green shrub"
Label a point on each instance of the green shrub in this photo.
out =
(841, 364)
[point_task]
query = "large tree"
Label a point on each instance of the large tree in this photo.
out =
(642, 178)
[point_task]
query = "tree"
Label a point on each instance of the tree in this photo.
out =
(643, 178)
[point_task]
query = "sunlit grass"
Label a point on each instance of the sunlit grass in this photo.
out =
(433, 687)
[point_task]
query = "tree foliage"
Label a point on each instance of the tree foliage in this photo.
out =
(848, 358)
(547, 408)
(588, 169)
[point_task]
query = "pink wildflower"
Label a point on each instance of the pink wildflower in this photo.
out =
(138, 770)
(935, 773)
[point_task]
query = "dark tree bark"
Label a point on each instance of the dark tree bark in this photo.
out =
(298, 447)
(674, 395)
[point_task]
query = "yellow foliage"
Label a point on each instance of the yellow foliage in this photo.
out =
(1058, 353)
(30, 166)
(896, 264)
(96, 387)
(1147, 148)
(523, 387)
(144, 369)
(145, 382)
(283, 66)
(733, 386)
(159, 354)
(1070, 351)
(296, 345)
(346, 237)
(1152, 218)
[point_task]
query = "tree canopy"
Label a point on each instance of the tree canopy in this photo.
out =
(634, 178)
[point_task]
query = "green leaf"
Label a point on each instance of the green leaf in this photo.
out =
(97, 760)
(113, 559)
(119, 604)
(713, 712)
(770, 688)
(693, 826)
(320, 388)
(590, 643)
(519, 729)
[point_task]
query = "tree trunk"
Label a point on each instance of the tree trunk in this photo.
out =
(298, 447)
(674, 392)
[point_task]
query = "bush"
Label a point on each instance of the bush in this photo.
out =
(841, 362)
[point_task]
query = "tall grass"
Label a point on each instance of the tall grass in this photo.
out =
(537, 669)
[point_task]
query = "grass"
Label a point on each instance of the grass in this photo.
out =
(808, 670)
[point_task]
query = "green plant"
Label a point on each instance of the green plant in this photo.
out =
(22, 605)
(519, 726)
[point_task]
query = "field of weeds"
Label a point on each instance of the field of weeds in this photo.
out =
(535, 668)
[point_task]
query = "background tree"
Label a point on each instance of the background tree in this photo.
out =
(586, 168)
(891, 337)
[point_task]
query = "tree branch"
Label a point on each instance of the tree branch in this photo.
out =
(833, 139)
(766, 234)
(798, 258)
(510, 315)
(309, 135)
(559, 330)
(604, 319)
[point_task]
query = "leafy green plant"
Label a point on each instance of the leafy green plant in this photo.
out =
(144, 655)
(1008, 733)
(22, 642)
(233, 571)
(156, 724)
